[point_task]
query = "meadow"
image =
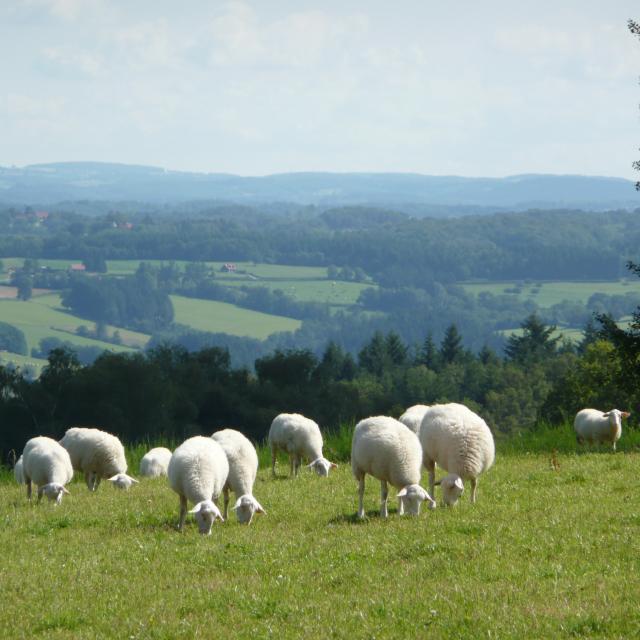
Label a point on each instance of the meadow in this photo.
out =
(546, 294)
(551, 549)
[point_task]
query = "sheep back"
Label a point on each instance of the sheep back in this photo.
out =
(412, 417)
(46, 461)
(198, 469)
(155, 462)
(384, 448)
(296, 434)
(93, 450)
(242, 459)
(457, 439)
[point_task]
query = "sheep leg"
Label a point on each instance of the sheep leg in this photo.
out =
(274, 452)
(361, 498)
(431, 468)
(384, 495)
(183, 512)
(96, 481)
(400, 507)
(88, 478)
(28, 483)
(292, 466)
(474, 486)
(226, 501)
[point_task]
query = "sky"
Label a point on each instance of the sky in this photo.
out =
(256, 87)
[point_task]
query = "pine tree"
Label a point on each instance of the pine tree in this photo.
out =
(534, 344)
(428, 354)
(451, 346)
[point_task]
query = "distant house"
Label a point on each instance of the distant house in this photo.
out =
(123, 225)
(77, 267)
(228, 267)
(41, 215)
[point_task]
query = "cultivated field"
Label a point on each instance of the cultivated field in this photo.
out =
(551, 550)
(546, 294)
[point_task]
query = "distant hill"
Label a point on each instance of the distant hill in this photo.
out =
(414, 193)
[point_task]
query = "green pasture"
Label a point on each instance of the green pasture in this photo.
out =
(546, 294)
(24, 363)
(550, 550)
(220, 317)
(42, 317)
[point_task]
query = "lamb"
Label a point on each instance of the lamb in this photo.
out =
(96, 453)
(458, 440)
(17, 471)
(198, 471)
(412, 417)
(384, 448)
(155, 462)
(595, 426)
(47, 464)
(243, 468)
(300, 437)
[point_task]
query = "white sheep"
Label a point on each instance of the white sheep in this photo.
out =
(300, 437)
(17, 471)
(243, 468)
(458, 440)
(412, 417)
(595, 426)
(95, 453)
(198, 471)
(384, 448)
(47, 464)
(155, 462)
(122, 481)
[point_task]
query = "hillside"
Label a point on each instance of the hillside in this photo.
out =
(49, 183)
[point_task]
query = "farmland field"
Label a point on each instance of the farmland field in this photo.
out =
(547, 551)
(546, 294)
(209, 315)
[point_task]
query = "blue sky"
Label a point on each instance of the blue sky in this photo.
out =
(486, 88)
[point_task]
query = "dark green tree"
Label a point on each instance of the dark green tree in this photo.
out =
(534, 344)
(451, 345)
(428, 355)
(397, 351)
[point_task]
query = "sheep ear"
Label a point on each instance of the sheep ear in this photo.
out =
(459, 483)
(237, 504)
(626, 414)
(133, 480)
(334, 465)
(259, 508)
(402, 493)
(196, 509)
(112, 478)
(64, 490)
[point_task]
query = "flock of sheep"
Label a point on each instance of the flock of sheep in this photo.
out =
(202, 468)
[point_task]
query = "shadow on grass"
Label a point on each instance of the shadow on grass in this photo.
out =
(352, 518)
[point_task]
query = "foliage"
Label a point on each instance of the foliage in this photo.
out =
(12, 339)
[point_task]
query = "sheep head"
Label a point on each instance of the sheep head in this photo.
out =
(321, 466)
(206, 513)
(245, 507)
(413, 496)
(122, 481)
(53, 491)
(452, 489)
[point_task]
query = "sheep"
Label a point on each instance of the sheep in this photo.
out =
(48, 465)
(96, 453)
(17, 471)
(123, 481)
(595, 426)
(243, 468)
(458, 440)
(155, 462)
(384, 448)
(300, 437)
(412, 417)
(198, 471)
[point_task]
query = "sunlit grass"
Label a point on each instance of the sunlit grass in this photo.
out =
(551, 549)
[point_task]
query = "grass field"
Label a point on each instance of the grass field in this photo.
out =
(209, 315)
(43, 316)
(546, 294)
(547, 552)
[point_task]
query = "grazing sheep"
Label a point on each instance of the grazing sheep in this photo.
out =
(155, 462)
(595, 426)
(300, 437)
(412, 417)
(243, 468)
(198, 471)
(123, 481)
(48, 465)
(387, 450)
(459, 441)
(95, 453)
(17, 471)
